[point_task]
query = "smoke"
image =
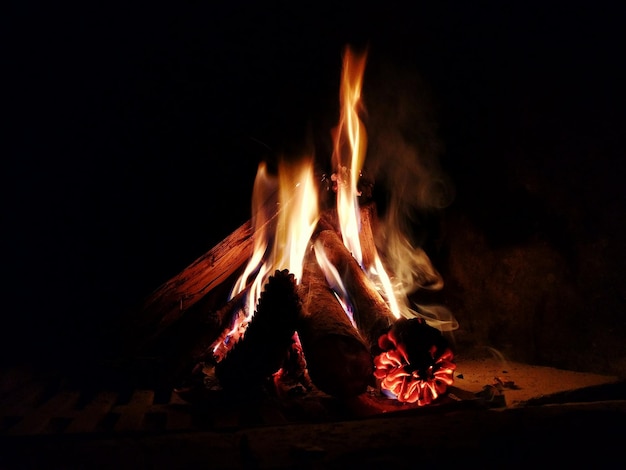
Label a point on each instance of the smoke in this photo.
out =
(403, 159)
(404, 147)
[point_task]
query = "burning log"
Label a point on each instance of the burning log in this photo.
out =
(215, 324)
(267, 338)
(338, 359)
(366, 235)
(329, 221)
(371, 313)
(166, 305)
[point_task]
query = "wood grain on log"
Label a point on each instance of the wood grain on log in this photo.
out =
(264, 346)
(366, 234)
(372, 314)
(169, 302)
(338, 359)
(330, 221)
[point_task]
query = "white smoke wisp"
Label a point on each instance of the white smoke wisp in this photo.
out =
(403, 157)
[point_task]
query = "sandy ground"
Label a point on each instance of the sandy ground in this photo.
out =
(510, 434)
(521, 382)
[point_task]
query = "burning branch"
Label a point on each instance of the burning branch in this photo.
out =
(328, 285)
(371, 314)
(338, 359)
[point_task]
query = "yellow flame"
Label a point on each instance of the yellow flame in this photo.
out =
(350, 141)
(297, 217)
(263, 209)
(377, 273)
(349, 150)
(282, 226)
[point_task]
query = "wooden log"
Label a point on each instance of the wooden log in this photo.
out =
(216, 324)
(329, 221)
(171, 353)
(265, 343)
(369, 219)
(338, 360)
(59, 406)
(371, 313)
(170, 301)
(196, 292)
(92, 414)
(132, 415)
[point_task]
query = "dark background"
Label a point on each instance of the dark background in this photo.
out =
(133, 133)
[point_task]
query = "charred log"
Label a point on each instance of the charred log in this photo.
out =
(329, 220)
(338, 359)
(372, 314)
(171, 300)
(267, 338)
(215, 324)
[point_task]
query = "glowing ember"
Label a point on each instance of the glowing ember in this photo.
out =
(409, 387)
(410, 377)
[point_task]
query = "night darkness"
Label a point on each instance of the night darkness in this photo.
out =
(134, 134)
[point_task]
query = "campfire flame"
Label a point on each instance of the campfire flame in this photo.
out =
(350, 142)
(283, 227)
(285, 214)
(333, 278)
(263, 194)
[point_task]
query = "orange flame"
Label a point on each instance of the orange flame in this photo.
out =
(350, 140)
(263, 212)
(349, 151)
(285, 213)
(297, 217)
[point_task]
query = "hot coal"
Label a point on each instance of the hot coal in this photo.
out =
(421, 344)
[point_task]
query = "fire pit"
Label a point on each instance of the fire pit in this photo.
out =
(311, 282)
(496, 410)
(257, 355)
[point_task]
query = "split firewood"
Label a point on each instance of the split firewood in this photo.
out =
(216, 324)
(170, 301)
(265, 343)
(366, 234)
(371, 313)
(338, 359)
(330, 221)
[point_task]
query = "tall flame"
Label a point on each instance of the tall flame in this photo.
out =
(350, 141)
(263, 213)
(298, 214)
(349, 151)
(282, 227)
(284, 215)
